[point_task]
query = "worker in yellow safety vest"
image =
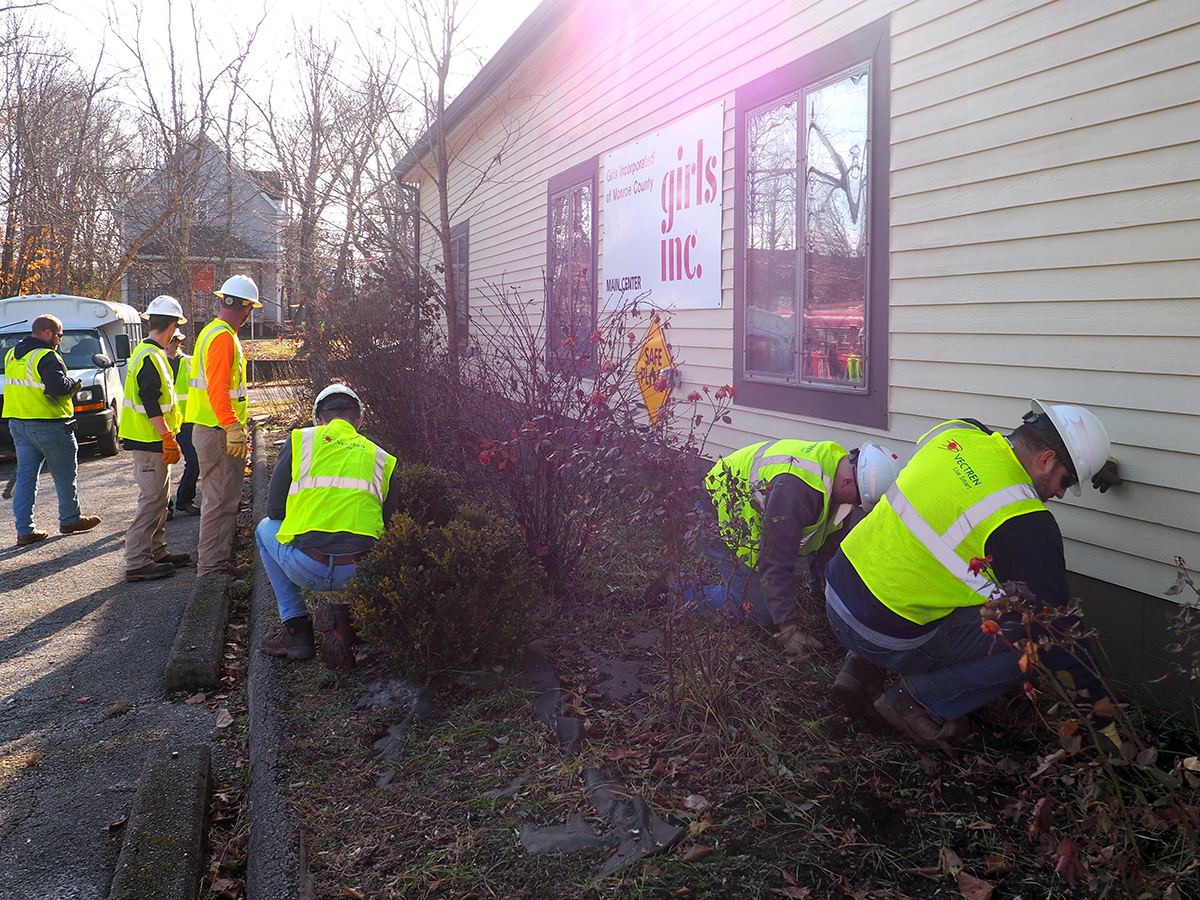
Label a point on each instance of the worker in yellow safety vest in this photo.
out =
(40, 413)
(185, 494)
(967, 513)
(330, 495)
(150, 419)
(216, 405)
(774, 502)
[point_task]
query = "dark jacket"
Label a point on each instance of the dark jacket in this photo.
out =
(51, 369)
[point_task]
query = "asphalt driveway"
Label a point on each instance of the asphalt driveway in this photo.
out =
(82, 655)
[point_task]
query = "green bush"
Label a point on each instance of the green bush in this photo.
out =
(430, 598)
(429, 495)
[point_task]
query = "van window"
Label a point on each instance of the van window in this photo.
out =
(77, 348)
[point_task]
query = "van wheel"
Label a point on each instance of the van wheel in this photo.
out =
(108, 441)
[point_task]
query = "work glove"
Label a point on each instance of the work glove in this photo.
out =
(237, 442)
(170, 449)
(797, 642)
(1107, 476)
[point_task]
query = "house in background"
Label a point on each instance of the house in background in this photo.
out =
(229, 221)
(871, 217)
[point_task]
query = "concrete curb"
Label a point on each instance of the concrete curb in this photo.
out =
(195, 660)
(162, 854)
(275, 866)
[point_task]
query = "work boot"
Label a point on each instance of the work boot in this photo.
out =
(178, 560)
(237, 570)
(83, 523)
(338, 637)
(857, 686)
(24, 540)
(150, 571)
(897, 707)
(190, 508)
(292, 640)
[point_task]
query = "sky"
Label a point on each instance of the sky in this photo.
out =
(84, 24)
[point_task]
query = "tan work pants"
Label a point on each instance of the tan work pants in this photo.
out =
(221, 487)
(145, 539)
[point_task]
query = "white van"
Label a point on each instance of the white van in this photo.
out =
(98, 337)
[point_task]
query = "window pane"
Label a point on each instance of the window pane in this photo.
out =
(571, 302)
(835, 229)
(771, 240)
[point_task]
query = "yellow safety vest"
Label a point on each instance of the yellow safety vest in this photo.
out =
(914, 550)
(182, 378)
(339, 482)
(135, 422)
(736, 483)
(198, 406)
(25, 394)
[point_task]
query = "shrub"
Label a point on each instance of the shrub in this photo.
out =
(459, 595)
(431, 496)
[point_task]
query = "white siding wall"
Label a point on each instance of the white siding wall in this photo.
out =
(1045, 217)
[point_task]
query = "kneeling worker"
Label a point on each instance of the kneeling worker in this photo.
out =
(331, 494)
(903, 592)
(779, 500)
(150, 419)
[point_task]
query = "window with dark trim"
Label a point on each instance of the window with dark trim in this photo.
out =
(571, 259)
(460, 236)
(811, 233)
(409, 217)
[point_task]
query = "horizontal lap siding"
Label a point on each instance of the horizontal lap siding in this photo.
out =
(1045, 195)
(1044, 242)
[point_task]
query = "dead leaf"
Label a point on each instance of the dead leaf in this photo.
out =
(1048, 761)
(117, 709)
(195, 699)
(995, 864)
(83, 699)
(681, 892)
(973, 888)
(224, 719)
(951, 864)
(695, 802)
(115, 825)
(351, 892)
(796, 893)
(696, 852)
(1043, 818)
(620, 753)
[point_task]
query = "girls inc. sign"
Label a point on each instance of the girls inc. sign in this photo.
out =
(662, 215)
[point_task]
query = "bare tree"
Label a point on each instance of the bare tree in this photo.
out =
(186, 147)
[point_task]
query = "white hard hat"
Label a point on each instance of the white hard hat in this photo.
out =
(1084, 436)
(333, 390)
(239, 287)
(875, 469)
(164, 305)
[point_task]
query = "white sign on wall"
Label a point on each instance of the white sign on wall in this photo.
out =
(662, 215)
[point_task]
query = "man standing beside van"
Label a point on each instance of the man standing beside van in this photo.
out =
(216, 403)
(149, 422)
(37, 404)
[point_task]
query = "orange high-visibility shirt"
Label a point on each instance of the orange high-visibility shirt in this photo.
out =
(218, 364)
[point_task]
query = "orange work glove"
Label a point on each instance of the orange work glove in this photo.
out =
(170, 451)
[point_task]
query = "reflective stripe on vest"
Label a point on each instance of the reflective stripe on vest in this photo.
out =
(198, 406)
(25, 394)
(913, 552)
(748, 469)
(182, 379)
(135, 421)
(339, 482)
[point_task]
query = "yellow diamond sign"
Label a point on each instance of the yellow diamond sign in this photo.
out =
(654, 360)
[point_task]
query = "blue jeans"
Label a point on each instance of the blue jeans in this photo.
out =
(740, 592)
(186, 492)
(960, 668)
(290, 571)
(44, 442)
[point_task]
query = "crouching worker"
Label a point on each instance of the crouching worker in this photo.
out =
(775, 502)
(904, 594)
(330, 495)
